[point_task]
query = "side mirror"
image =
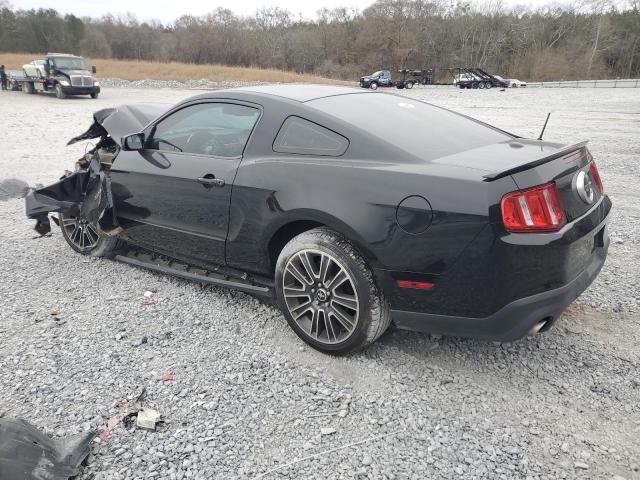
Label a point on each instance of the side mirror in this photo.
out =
(134, 142)
(94, 70)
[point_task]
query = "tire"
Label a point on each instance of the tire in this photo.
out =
(84, 238)
(93, 95)
(59, 93)
(475, 85)
(409, 85)
(336, 318)
(481, 85)
(373, 86)
(488, 85)
(461, 87)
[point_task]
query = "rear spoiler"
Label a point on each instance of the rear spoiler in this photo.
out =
(490, 177)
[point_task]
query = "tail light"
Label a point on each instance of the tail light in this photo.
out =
(595, 175)
(537, 209)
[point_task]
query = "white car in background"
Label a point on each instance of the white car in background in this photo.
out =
(35, 69)
(512, 82)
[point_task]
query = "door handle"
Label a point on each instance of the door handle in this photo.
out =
(209, 180)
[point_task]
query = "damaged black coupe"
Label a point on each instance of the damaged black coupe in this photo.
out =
(351, 208)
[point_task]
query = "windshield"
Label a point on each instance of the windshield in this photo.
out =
(67, 63)
(423, 130)
(377, 74)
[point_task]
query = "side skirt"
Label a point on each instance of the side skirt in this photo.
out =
(182, 270)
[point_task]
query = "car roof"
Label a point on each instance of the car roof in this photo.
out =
(300, 92)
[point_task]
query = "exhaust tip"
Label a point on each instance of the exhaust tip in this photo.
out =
(538, 327)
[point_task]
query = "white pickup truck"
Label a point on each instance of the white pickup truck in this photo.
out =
(62, 74)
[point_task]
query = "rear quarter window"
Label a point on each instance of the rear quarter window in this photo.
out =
(303, 137)
(421, 129)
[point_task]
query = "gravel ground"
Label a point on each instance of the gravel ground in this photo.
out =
(248, 397)
(189, 84)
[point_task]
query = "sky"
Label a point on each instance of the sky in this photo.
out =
(167, 11)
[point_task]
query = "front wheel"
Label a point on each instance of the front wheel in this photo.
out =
(409, 85)
(327, 293)
(84, 237)
(59, 92)
(373, 86)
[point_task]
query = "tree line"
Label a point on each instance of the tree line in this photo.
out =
(593, 39)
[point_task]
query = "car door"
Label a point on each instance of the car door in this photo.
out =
(173, 195)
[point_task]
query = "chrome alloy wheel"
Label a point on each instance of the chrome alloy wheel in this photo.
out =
(321, 297)
(80, 233)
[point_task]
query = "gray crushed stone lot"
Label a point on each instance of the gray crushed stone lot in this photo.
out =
(248, 397)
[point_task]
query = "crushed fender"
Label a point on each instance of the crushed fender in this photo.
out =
(86, 193)
(27, 453)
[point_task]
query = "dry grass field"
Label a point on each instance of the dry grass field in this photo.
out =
(133, 70)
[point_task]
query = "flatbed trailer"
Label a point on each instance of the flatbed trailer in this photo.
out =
(60, 74)
(475, 78)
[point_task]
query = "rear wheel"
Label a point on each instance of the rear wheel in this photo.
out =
(84, 237)
(488, 85)
(93, 95)
(328, 294)
(475, 85)
(59, 92)
(481, 85)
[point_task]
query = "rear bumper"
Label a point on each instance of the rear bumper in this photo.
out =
(516, 319)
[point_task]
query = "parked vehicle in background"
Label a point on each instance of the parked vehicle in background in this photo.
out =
(512, 82)
(382, 78)
(475, 78)
(517, 83)
(59, 73)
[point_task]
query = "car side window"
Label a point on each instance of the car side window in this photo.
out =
(218, 129)
(303, 137)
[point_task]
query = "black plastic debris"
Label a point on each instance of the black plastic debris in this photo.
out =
(28, 454)
(85, 194)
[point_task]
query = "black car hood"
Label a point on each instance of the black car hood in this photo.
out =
(121, 121)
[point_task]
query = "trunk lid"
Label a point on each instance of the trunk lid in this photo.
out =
(533, 162)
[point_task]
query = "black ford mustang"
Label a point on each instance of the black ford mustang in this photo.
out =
(301, 193)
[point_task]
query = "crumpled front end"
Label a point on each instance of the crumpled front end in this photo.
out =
(86, 193)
